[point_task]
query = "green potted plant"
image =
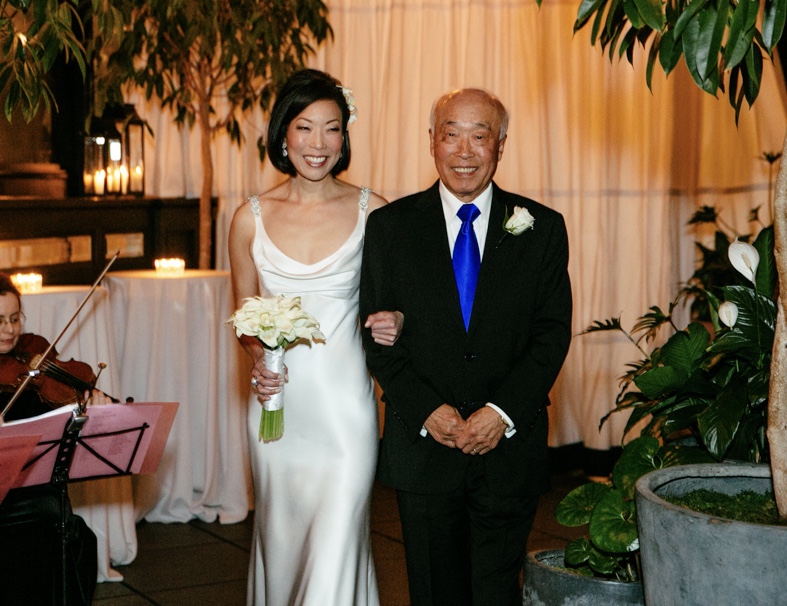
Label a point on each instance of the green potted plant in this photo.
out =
(708, 385)
(604, 565)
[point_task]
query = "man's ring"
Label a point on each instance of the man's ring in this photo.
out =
(254, 381)
(473, 451)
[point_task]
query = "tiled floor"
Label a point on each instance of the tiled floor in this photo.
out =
(198, 563)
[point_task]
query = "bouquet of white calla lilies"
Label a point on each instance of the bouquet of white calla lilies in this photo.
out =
(277, 322)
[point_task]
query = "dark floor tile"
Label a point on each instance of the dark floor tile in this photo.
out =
(222, 594)
(106, 591)
(177, 568)
(239, 534)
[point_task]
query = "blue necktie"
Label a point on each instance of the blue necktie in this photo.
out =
(467, 260)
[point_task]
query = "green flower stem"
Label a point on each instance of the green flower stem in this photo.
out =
(271, 425)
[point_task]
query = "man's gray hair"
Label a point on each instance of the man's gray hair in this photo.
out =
(494, 101)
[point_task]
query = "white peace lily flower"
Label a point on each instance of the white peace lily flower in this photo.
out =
(518, 222)
(728, 313)
(745, 258)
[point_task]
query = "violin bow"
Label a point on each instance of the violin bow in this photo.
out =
(34, 367)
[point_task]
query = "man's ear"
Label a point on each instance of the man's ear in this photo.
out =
(501, 144)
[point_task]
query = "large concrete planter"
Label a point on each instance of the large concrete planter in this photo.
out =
(693, 559)
(547, 583)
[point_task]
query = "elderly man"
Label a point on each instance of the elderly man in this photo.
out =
(481, 276)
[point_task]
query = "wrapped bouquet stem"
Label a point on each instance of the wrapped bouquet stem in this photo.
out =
(277, 323)
(272, 421)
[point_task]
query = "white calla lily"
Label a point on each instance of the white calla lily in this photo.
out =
(728, 313)
(745, 258)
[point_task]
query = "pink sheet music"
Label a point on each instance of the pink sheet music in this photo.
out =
(49, 427)
(14, 452)
(115, 439)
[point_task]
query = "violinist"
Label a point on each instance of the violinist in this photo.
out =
(30, 545)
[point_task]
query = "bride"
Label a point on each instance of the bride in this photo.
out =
(304, 238)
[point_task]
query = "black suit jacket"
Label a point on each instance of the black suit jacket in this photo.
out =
(517, 340)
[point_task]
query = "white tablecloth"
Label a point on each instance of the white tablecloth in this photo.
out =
(173, 345)
(106, 505)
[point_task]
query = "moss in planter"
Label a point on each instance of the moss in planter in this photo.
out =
(746, 506)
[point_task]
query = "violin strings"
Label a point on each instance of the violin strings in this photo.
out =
(54, 371)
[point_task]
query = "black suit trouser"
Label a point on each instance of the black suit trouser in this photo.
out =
(466, 547)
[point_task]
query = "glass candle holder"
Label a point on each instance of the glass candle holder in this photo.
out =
(170, 267)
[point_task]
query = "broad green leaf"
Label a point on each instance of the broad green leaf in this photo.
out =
(766, 271)
(684, 349)
(578, 552)
(669, 52)
(696, 54)
(773, 19)
(720, 422)
(741, 33)
(602, 563)
(577, 506)
(752, 74)
(637, 459)
(632, 13)
(586, 9)
(613, 525)
(652, 13)
(712, 21)
(687, 16)
(657, 381)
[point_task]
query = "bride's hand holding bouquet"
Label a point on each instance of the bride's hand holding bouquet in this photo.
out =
(277, 322)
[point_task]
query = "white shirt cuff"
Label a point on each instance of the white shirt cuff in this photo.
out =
(510, 429)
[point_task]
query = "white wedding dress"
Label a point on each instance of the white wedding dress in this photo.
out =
(312, 487)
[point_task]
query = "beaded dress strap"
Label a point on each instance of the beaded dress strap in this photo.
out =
(363, 202)
(254, 202)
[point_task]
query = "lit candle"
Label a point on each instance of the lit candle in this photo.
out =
(27, 283)
(172, 267)
(123, 180)
(99, 179)
(136, 178)
(87, 179)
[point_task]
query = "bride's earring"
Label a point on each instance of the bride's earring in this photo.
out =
(284, 148)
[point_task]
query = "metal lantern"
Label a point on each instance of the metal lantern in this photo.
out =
(134, 135)
(113, 160)
(94, 174)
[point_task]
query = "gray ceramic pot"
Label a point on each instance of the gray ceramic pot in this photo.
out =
(548, 583)
(693, 559)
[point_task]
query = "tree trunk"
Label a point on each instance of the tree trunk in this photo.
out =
(777, 396)
(205, 218)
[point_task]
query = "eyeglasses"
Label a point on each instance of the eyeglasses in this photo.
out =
(14, 320)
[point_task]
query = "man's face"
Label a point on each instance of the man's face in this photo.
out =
(465, 143)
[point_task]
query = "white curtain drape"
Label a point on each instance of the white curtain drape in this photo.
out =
(625, 165)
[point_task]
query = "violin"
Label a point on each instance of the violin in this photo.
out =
(57, 382)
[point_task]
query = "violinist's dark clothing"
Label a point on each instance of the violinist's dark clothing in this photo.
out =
(30, 544)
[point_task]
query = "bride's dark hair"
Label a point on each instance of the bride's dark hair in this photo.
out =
(301, 90)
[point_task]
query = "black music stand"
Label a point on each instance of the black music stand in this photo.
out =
(76, 445)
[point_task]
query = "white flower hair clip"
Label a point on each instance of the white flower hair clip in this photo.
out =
(350, 100)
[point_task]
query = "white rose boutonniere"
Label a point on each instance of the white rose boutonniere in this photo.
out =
(520, 221)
